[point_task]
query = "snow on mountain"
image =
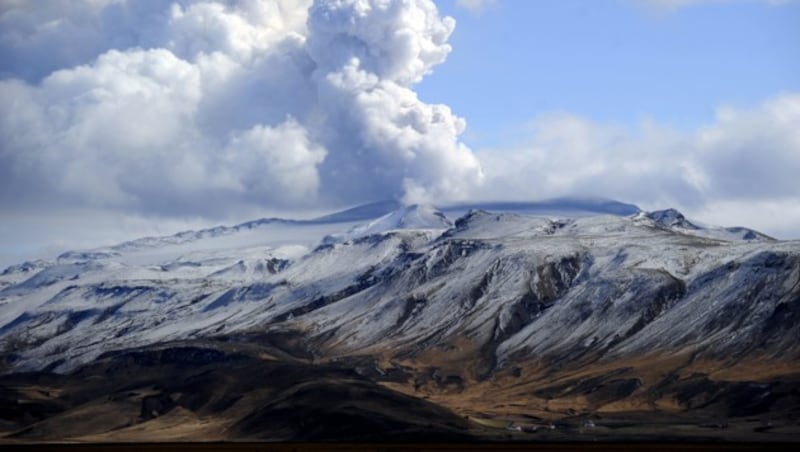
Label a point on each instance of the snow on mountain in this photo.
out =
(20, 272)
(280, 231)
(592, 285)
(481, 224)
(671, 218)
(410, 217)
(361, 213)
(514, 286)
(676, 221)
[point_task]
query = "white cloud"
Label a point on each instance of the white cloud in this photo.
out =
(779, 218)
(567, 154)
(212, 107)
(399, 41)
(266, 160)
(368, 58)
(475, 6)
(677, 4)
(740, 169)
(398, 143)
(752, 154)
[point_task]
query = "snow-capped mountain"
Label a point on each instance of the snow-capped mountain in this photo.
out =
(615, 284)
(674, 220)
(454, 306)
(410, 217)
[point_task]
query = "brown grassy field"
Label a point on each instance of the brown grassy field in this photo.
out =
(207, 391)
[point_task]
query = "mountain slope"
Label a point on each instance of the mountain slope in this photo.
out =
(410, 217)
(525, 285)
(497, 316)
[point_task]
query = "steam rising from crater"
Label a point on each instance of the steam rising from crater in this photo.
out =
(205, 107)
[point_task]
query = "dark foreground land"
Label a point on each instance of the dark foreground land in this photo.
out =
(220, 391)
(413, 447)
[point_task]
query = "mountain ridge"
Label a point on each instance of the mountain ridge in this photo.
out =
(595, 314)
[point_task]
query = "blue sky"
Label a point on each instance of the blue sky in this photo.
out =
(124, 118)
(612, 61)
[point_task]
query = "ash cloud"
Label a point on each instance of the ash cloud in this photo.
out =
(210, 107)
